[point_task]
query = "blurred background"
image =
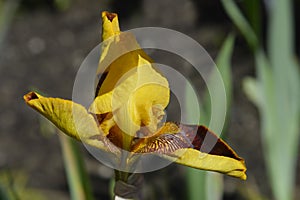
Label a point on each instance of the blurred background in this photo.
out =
(43, 43)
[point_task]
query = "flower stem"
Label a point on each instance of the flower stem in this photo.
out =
(123, 176)
(127, 185)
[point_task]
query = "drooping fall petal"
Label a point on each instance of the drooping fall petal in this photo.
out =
(71, 118)
(204, 161)
(193, 146)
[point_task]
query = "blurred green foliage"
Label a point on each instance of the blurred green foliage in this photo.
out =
(79, 183)
(200, 184)
(253, 11)
(8, 9)
(63, 4)
(78, 180)
(275, 91)
(13, 186)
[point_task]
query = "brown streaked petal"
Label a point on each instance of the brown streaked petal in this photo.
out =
(206, 141)
(194, 146)
(163, 144)
(187, 136)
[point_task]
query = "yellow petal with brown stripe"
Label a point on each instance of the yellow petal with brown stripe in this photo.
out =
(193, 146)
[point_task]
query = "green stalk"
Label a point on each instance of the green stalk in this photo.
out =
(77, 177)
(121, 176)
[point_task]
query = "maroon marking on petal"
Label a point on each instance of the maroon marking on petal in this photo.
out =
(206, 141)
(163, 144)
(111, 16)
(189, 136)
(101, 80)
(30, 96)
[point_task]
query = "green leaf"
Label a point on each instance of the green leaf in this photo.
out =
(224, 69)
(196, 184)
(202, 185)
(253, 91)
(223, 63)
(253, 11)
(214, 186)
(284, 117)
(276, 92)
(77, 177)
(242, 24)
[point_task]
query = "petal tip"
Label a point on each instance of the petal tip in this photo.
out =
(244, 177)
(243, 174)
(109, 16)
(30, 96)
(110, 25)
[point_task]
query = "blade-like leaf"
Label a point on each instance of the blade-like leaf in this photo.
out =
(252, 90)
(242, 24)
(202, 185)
(286, 101)
(253, 11)
(77, 177)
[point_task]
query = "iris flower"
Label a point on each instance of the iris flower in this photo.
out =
(127, 112)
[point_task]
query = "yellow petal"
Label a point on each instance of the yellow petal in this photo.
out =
(196, 159)
(193, 146)
(151, 95)
(120, 52)
(110, 32)
(110, 25)
(70, 117)
(139, 99)
(131, 89)
(102, 104)
(119, 55)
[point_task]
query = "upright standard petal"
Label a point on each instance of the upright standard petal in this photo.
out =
(138, 100)
(129, 88)
(120, 54)
(110, 25)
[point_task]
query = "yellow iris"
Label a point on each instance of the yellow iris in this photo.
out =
(128, 108)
